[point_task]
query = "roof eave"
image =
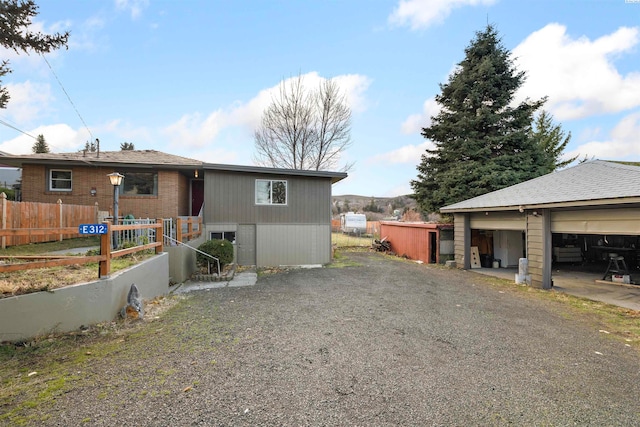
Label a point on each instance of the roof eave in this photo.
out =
(107, 164)
(572, 204)
(335, 176)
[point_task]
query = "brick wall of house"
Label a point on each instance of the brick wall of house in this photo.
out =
(170, 202)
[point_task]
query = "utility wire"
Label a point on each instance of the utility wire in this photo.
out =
(68, 97)
(2, 122)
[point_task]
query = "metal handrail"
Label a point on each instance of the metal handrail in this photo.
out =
(198, 251)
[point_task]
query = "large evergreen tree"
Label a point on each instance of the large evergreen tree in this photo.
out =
(15, 34)
(552, 141)
(482, 142)
(40, 146)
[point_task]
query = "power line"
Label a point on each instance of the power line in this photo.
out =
(68, 97)
(15, 128)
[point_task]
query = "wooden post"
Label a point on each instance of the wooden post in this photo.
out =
(159, 236)
(96, 219)
(105, 249)
(4, 218)
(60, 216)
(190, 228)
(179, 229)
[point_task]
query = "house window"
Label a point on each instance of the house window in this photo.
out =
(271, 192)
(227, 235)
(59, 180)
(139, 184)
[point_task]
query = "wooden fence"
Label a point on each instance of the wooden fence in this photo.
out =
(373, 227)
(106, 251)
(193, 226)
(31, 216)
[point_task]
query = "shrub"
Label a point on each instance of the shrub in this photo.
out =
(221, 249)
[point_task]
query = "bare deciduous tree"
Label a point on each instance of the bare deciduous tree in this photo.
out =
(304, 129)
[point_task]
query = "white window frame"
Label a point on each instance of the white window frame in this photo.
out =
(50, 180)
(269, 201)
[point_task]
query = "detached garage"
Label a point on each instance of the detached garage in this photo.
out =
(587, 215)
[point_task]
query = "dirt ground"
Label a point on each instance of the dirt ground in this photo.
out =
(383, 342)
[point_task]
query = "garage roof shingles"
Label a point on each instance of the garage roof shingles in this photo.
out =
(589, 181)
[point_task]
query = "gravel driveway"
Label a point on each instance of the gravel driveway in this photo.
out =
(384, 343)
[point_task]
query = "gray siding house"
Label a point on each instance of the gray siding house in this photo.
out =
(275, 217)
(583, 214)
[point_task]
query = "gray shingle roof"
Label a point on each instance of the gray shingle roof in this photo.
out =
(148, 158)
(132, 157)
(585, 182)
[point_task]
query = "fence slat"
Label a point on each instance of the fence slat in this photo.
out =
(34, 215)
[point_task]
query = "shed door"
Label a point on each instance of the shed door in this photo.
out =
(246, 244)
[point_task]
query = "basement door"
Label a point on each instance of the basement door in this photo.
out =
(246, 244)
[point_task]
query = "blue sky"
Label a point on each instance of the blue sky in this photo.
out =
(192, 78)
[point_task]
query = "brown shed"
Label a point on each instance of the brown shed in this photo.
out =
(428, 242)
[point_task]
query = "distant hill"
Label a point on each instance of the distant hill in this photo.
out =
(365, 204)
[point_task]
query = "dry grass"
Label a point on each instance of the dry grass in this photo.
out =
(42, 248)
(45, 279)
(48, 279)
(341, 240)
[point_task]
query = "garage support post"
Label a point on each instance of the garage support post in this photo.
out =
(547, 250)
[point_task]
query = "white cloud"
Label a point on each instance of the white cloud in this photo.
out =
(88, 35)
(59, 138)
(415, 122)
(354, 87)
(135, 7)
(419, 14)
(196, 130)
(219, 155)
(577, 74)
(116, 132)
(621, 145)
(28, 100)
(399, 190)
(410, 154)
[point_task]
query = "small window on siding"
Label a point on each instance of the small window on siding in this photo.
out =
(271, 192)
(227, 235)
(59, 180)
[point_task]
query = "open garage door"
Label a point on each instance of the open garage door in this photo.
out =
(619, 221)
(593, 238)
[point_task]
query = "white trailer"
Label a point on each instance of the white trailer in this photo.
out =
(353, 223)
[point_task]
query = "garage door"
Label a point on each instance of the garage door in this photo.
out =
(597, 221)
(498, 221)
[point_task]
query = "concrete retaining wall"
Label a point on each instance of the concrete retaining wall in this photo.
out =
(182, 260)
(66, 309)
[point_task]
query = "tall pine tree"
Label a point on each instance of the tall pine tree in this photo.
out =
(552, 140)
(40, 146)
(482, 142)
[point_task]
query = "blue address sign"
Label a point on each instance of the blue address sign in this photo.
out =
(92, 229)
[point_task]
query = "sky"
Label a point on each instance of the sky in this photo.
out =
(192, 77)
